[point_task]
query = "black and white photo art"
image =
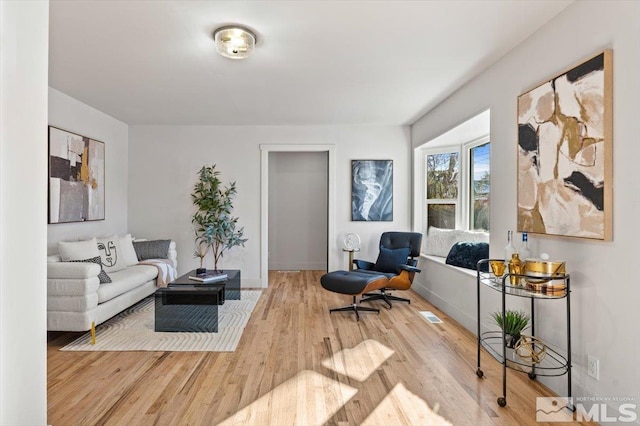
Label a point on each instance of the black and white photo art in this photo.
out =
(372, 190)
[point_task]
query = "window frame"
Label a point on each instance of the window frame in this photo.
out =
(469, 146)
(456, 201)
(463, 215)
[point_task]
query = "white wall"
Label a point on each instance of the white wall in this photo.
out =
(163, 161)
(24, 45)
(70, 114)
(298, 191)
(605, 314)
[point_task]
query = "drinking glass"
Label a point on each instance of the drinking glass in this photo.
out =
(497, 267)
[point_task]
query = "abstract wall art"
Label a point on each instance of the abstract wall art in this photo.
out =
(565, 153)
(372, 190)
(76, 177)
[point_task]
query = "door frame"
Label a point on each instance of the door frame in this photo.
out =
(265, 149)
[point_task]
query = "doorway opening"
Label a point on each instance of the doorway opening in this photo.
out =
(297, 220)
(298, 198)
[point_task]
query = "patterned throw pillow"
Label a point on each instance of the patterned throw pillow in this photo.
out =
(154, 249)
(102, 276)
(111, 253)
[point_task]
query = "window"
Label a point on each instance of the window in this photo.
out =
(480, 187)
(457, 186)
(442, 188)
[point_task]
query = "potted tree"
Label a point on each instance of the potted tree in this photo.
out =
(215, 227)
(513, 322)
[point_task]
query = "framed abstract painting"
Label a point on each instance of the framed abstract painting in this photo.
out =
(565, 153)
(372, 190)
(76, 177)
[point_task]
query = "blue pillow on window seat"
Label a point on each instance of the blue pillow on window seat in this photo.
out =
(467, 254)
(389, 260)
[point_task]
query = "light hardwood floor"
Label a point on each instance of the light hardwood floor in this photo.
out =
(297, 364)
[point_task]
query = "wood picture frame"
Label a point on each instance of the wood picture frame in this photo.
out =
(76, 177)
(565, 158)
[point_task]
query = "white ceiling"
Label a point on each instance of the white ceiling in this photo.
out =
(316, 62)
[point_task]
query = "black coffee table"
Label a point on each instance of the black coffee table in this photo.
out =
(191, 306)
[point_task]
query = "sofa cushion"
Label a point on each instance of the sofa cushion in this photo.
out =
(466, 254)
(111, 253)
(125, 280)
(72, 287)
(128, 252)
(389, 260)
(78, 250)
(82, 303)
(72, 270)
(102, 276)
(154, 249)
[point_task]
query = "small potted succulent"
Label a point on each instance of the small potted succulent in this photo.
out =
(512, 322)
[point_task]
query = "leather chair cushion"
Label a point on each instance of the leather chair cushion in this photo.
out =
(352, 282)
(389, 260)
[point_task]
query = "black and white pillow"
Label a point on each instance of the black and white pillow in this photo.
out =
(111, 253)
(102, 276)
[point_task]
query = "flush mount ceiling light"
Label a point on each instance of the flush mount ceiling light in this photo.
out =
(234, 41)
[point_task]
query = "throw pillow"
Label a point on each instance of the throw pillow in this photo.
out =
(78, 250)
(154, 249)
(111, 253)
(102, 276)
(389, 260)
(439, 241)
(127, 251)
(466, 254)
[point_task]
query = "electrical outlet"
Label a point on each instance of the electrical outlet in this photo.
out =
(593, 367)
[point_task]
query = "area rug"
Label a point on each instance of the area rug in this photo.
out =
(132, 330)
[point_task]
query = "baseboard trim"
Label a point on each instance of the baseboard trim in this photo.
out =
(454, 312)
(251, 283)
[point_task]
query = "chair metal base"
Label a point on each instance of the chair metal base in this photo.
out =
(355, 308)
(384, 296)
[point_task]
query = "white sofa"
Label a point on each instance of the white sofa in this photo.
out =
(76, 298)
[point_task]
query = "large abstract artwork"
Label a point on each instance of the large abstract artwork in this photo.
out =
(76, 177)
(565, 153)
(372, 190)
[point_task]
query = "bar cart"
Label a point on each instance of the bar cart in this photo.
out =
(547, 362)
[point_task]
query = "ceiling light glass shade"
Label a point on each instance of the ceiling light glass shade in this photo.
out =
(234, 42)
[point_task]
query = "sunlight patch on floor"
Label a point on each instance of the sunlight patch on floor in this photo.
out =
(308, 398)
(361, 361)
(402, 407)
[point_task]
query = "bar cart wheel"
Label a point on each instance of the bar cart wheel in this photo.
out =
(479, 373)
(532, 375)
(502, 401)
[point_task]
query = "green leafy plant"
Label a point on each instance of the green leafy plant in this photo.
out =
(215, 227)
(513, 322)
